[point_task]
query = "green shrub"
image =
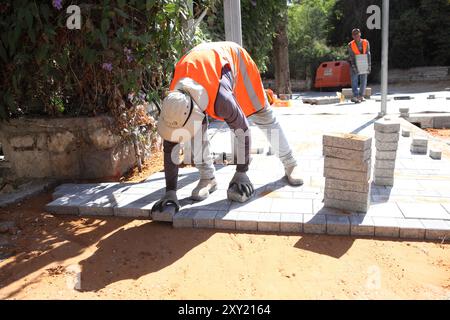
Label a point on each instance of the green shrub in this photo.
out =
(123, 54)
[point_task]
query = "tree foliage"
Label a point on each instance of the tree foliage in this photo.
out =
(123, 54)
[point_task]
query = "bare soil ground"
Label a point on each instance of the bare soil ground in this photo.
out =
(51, 257)
(443, 134)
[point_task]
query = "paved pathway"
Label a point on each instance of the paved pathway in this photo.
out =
(417, 206)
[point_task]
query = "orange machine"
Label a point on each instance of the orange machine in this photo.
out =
(333, 74)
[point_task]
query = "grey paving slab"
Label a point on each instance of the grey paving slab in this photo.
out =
(385, 155)
(347, 185)
(385, 164)
(184, 219)
(225, 220)
(386, 210)
(346, 175)
(419, 142)
(436, 229)
(338, 225)
(166, 216)
(386, 146)
(411, 229)
(134, 205)
(386, 137)
(347, 153)
(383, 181)
(387, 126)
(291, 222)
(347, 141)
(362, 226)
(98, 206)
(316, 224)
(345, 164)
(282, 205)
(347, 195)
(406, 133)
(423, 211)
(380, 173)
(347, 205)
(247, 221)
(204, 219)
(269, 222)
(260, 204)
(212, 203)
(435, 154)
(386, 227)
(67, 204)
(418, 149)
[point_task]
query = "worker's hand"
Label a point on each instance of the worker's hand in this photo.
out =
(169, 198)
(370, 69)
(240, 188)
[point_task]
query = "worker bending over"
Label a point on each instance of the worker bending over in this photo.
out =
(221, 80)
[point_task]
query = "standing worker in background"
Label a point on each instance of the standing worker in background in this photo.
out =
(218, 79)
(361, 66)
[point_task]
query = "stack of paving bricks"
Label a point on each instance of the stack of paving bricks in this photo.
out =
(419, 146)
(404, 112)
(387, 133)
(348, 93)
(347, 171)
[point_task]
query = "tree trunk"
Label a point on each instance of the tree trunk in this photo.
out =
(281, 56)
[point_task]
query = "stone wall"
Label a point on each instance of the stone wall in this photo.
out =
(70, 148)
(296, 85)
(419, 74)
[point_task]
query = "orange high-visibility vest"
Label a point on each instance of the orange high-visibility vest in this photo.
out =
(204, 64)
(356, 49)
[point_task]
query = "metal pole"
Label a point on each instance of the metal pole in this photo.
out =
(232, 14)
(384, 58)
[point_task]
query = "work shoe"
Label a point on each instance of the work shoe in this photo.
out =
(233, 194)
(361, 99)
(293, 176)
(203, 189)
(355, 100)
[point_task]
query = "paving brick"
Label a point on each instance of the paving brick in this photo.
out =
(225, 220)
(403, 110)
(261, 204)
(347, 141)
(212, 203)
(406, 133)
(385, 155)
(383, 173)
(386, 146)
(204, 219)
(269, 222)
(411, 229)
(386, 210)
(385, 164)
(319, 208)
(435, 154)
(247, 221)
(291, 222)
(347, 205)
(335, 163)
(167, 215)
(436, 229)
(348, 154)
(347, 195)
(383, 181)
(281, 205)
(347, 175)
(386, 227)
(66, 205)
(419, 142)
(418, 150)
(362, 226)
(416, 210)
(98, 206)
(347, 185)
(387, 126)
(338, 225)
(386, 137)
(133, 205)
(314, 223)
(184, 219)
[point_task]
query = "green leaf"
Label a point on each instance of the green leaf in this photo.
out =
(103, 39)
(3, 53)
(45, 10)
(105, 25)
(149, 4)
(170, 8)
(29, 19)
(121, 13)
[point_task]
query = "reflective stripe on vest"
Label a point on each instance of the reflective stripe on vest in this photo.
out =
(204, 64)
(355, 48)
